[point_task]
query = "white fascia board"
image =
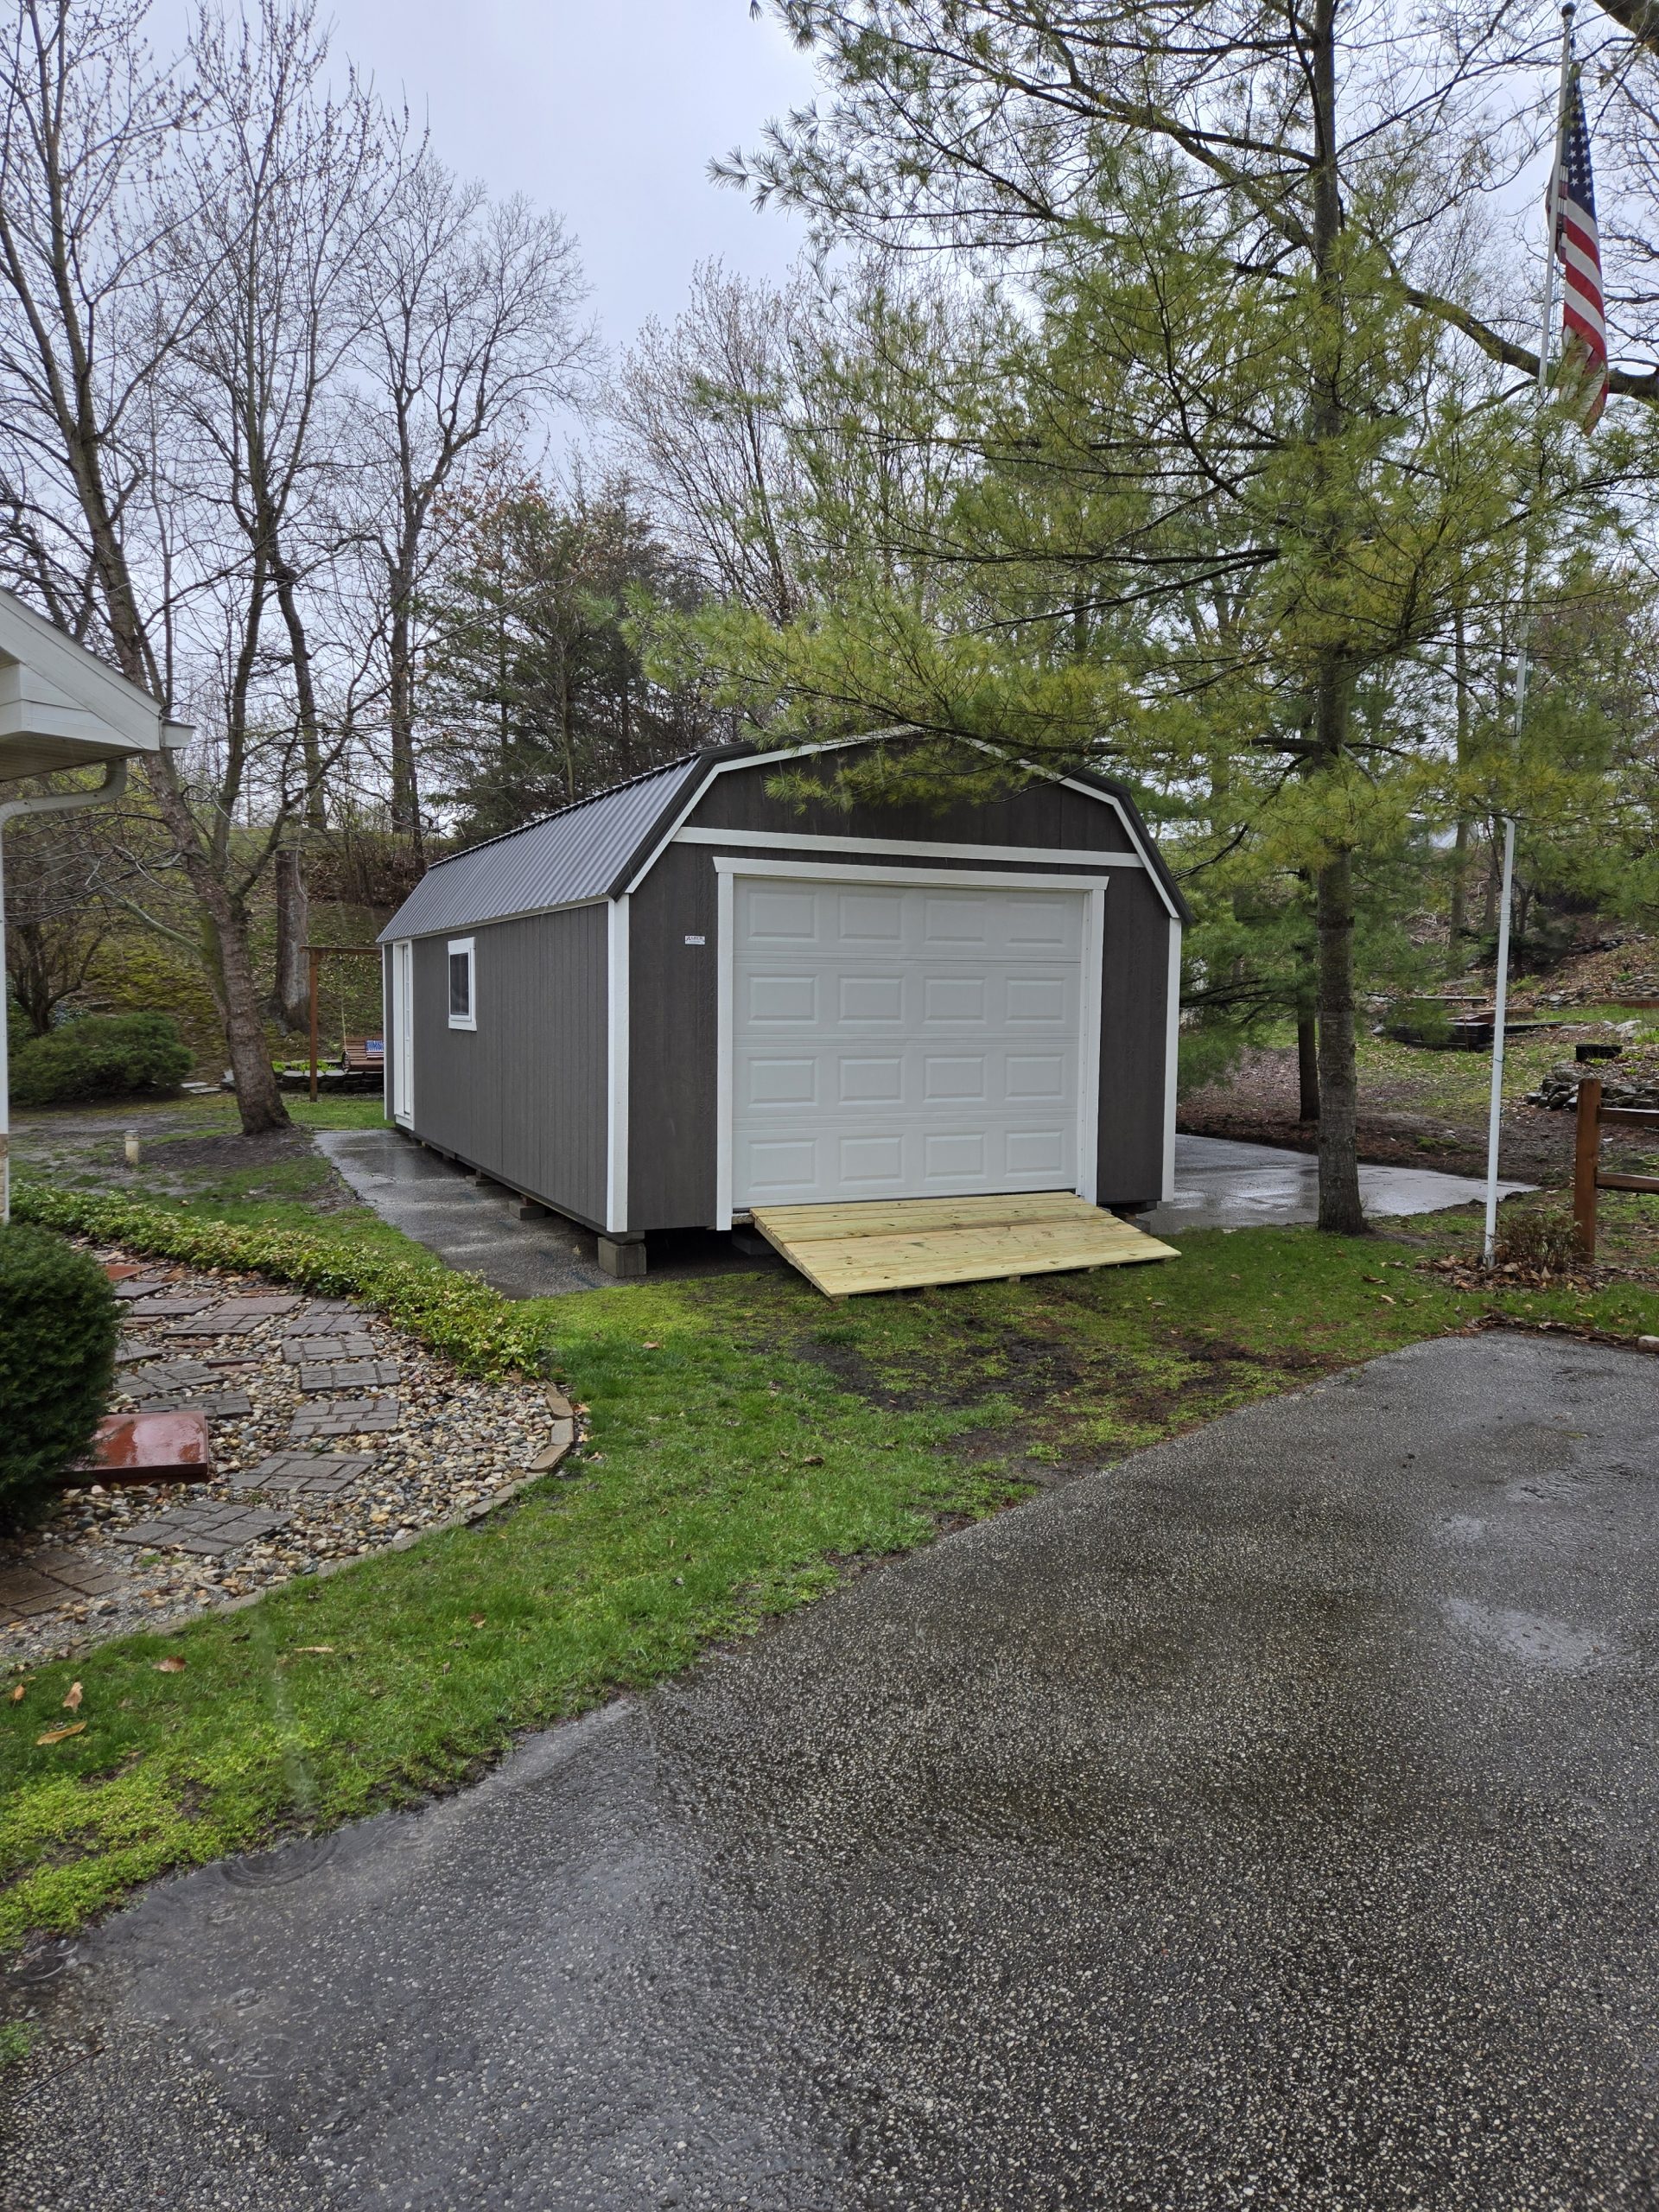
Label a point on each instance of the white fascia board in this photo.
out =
(54, 665)
(1138, 848)
(791, 841)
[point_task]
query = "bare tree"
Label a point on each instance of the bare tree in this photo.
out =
(704, 407)
(470, 327)
(85, 123)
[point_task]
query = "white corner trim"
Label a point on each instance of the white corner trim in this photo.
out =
(1172, 1056)
(1092, 890)
(617, 1057)
(455, 947)
(725, 908)
(1093, 987)
(789, 841)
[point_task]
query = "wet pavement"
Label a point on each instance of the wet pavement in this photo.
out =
(1266, 1822)
(1221, 1184)
(476, 1224)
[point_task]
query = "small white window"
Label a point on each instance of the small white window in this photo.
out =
(463, 1005)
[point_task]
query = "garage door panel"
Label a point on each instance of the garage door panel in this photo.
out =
(1044, 999)
(821, 972)
(782, 917)
(867, 1080)
(947, 1153)
(1035, 1152)
(871, 998)
(775, 1081)
(871, 1160)
(788, 997)
(868, 917)
(1031, 1076)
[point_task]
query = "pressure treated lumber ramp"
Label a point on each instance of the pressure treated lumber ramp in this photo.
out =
(879, 1245)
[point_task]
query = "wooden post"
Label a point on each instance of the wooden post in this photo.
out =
(1586, 1158)
(313, 960)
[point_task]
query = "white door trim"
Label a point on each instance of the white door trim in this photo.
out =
(617, 1067)
(402, 1026)
(1092, 890)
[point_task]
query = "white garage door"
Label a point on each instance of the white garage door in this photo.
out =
(903, 1042)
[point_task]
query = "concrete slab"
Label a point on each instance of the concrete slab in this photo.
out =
(1220, 1184)
(477, 1226)
(1266, 1822)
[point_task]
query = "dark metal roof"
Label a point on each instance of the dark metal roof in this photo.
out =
(592, 851)
(574, 854)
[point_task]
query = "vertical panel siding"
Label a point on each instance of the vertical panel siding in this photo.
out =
(673, 1090)
(1134, 1041)
(522, 1095)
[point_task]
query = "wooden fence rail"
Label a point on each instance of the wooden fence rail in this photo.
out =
(1588, 1175)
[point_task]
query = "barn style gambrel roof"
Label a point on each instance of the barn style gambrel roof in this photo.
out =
(600, 846)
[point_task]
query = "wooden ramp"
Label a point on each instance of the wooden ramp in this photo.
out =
(876, 1245)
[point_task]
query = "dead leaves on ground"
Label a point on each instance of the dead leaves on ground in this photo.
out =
(57, 1735)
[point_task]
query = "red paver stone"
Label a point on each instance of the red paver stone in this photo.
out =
(169, 1446)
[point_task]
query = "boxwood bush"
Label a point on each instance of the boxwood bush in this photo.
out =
(58, 1325)
(100, 1056)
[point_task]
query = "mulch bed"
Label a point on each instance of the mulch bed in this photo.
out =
(334, 1436)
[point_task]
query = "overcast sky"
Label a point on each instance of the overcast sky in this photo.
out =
(607, 111)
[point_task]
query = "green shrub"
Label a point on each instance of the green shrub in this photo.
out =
(58, 1327)
(457, 1314)
(100, 1056)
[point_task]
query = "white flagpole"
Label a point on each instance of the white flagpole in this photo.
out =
(1501, 990)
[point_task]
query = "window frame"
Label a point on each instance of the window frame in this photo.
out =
(456, 948)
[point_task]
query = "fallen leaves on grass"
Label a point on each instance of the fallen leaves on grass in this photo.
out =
(57, 1735)
(72, 1702)
(170, 1665)
(17, 1693)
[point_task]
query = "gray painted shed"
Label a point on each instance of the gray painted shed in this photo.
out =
(684, 997)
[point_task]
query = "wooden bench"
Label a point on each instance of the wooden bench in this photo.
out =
(1588, 1174)
(364, 1055)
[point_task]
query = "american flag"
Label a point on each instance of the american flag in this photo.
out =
(1578, 247)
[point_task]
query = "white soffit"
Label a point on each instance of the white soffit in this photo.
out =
(61, 707)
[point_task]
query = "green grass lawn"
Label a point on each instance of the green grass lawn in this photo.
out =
(750, 1441)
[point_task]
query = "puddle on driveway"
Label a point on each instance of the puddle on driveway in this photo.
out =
(1549, 1647)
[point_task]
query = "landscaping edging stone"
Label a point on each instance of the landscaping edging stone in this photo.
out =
(424, 1448)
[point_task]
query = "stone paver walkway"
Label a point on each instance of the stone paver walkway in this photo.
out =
(295, 1389)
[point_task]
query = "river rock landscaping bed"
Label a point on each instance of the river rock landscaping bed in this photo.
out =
(334, 1436)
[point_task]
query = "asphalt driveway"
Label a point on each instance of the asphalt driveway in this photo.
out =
(1266, 1822)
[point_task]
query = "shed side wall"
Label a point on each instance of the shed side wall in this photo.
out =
(522, 1094)
(672, 1175)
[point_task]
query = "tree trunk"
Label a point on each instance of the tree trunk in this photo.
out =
(1307, 1065)
(316, 807)
(1340, 1210)
(1458, 910)
(405, 792)
(227, 958)
(292, 995)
